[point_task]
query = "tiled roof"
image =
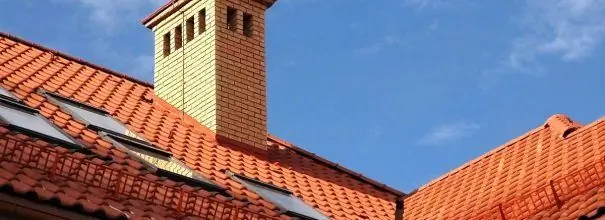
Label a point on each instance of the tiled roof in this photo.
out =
(25, 68)
(556, 171)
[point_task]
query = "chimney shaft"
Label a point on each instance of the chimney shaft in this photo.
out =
(215, 74)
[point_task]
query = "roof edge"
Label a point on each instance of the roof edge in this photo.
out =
(35, 208)
(501, 147)
(76, 59)
(336, 166)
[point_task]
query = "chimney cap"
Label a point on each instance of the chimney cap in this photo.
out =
(177, 4)
(562, 125)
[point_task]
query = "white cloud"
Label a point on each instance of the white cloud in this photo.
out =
(111, 13)
(449, 132)
(385, 42)
(568, 29)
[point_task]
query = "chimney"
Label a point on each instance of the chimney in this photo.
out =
(210, 64)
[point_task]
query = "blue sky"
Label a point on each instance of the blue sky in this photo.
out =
(399, 90)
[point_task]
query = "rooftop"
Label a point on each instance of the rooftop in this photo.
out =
(74, 162)
(27, 68)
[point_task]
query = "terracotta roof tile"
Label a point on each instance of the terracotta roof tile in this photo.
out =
(520, 176)
(335, 190)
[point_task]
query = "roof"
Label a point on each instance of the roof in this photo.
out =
(556, 171)
(25, 68)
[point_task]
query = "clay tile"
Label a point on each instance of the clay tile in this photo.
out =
(169, 183)
(267, 204)
(251, 195)
(237, 194)
(48, 186)
(135, 164)
(22, 137)
(284, 217)
(114, 204)
(41, 143)
(562, 125)
(43, 193)
(138, 205)
(10, 166)
(112, 212)
(66, 199)
(116, 165)
(71, 132)
(98, 161)
(132, 171)
(76, 124)
(6, 175)
(79, 155)
(90, 134)
(20, 187)
(26, 179)
(89, 206)
(71, 193)
(254, 208)
(153, 215)
(222, 198)
(151, 177)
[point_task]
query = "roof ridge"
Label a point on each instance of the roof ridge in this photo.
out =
(335, 166)
(501, 147)
(482, 156)
(76, 59)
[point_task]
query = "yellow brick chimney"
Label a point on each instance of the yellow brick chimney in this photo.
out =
(210, 63)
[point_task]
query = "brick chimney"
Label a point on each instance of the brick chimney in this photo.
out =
(210, 63)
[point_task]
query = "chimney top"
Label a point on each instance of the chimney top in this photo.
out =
(174, 5)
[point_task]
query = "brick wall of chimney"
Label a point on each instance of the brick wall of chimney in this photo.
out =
(219, 76)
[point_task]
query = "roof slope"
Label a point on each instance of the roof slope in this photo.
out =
(514, 179)
(26, 67)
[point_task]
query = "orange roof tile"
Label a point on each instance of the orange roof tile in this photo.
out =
(555, 171)
(25, 68)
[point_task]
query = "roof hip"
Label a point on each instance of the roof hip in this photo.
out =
(337, 167)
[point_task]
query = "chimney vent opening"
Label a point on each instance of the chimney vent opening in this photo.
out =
(248, 25)
(166, 44)
(201, 20)
(178, 37)
(231, 19)
(190, 29)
